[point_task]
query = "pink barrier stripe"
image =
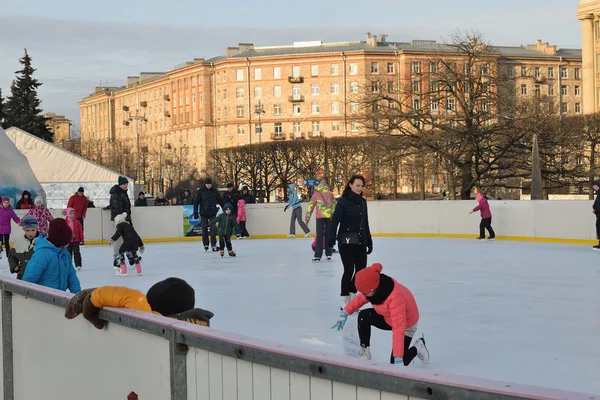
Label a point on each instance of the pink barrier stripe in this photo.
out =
(439, 378)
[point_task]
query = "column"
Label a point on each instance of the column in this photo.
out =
(588, 61)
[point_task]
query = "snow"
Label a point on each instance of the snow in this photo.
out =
(512, 311)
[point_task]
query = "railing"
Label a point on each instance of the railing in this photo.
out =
(296, 98)
(296, 79)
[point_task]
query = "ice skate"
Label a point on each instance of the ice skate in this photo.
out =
(222, 252)
(122, 271)
(364, 353)
(232, 253)
(480, 238)
(596, 247)
(328, 258)
(291, 236)
(316, 259)
(422, 351)
(215, 248)
(306, 234)
(78, 269)
(138, 268)
(491, 238)
(205, 248)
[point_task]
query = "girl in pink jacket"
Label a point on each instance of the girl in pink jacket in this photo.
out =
(6, 214)
(43, 216)
(486, 217)
(241, 219)
(394, 309)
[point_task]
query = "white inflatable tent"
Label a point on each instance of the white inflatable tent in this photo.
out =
(61, 172)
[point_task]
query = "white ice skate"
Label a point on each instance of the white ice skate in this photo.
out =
(291, 236)
(78, 269)
(306, 234)
(122, 271)
(422, 351)
(364, 353)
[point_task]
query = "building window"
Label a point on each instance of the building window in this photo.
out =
(296, 109)
(315, 127)
(390, 68)
(335, 107)
(224, 112)
(416, 103)
(193, 98)
(257, 74)
(335, 88)
(354, 107)
(577, 108)
(314, 70)
(538, 91)
(277, 73)
(536, 72)
(434, 105)
(335, 126)
(354, 126)
(564, 108)
(296, 92)
(314, 89)
(511, 72)
(353, 87)
(485, 69)
(315, 109)
(258, 129)
(353, 69)
(523, 90)
(577, 91)
(451, 104)
(334, 69)
(374, 68)
(415, 67)
(240, 129)
(416, 86)
(550, 90)
(257, 92)
(193, 81)
(239, 93)
(224, 76)
(276, 91)
(240, 111)
(224, 94)
(296, 72)
(577, 72)
(276, 109)
(278, 128)
(239, 75)
(564, 73)
(523, 70)
(550, 72)
(375, 86)
(564, 90)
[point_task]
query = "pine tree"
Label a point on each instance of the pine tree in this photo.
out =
(22, 109)
(2, 117)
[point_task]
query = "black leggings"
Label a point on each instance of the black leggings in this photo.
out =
(486, 223)
(75, 253)
(4, 239)
(243, 230)
(368, 318)
(354, 258)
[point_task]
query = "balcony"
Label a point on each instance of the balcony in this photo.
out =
(539, 79)
(316, 135)
(277, 136)
(166, 97)
(295, 79)
(296, 135)
(297, 98)
(167, 114)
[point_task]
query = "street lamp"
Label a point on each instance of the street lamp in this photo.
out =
(139, 118)
(258, 110)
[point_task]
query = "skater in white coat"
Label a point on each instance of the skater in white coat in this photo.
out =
(132, 243)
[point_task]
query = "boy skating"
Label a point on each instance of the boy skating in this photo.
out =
(227, 226)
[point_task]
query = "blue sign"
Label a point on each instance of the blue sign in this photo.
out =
(311, 182)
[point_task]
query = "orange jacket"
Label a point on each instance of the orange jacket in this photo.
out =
(399, 311)
(119, 296)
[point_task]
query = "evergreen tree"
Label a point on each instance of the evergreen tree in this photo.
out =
(2, 117)
(22, 109)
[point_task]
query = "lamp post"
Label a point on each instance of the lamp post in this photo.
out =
(139, 118)
(258, 110)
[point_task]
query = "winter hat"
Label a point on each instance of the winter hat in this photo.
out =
(171, 296)
(80, 190)
(368, 279)
(208, 181)
(227, 206)
(122, 180)
(59, 232)
(5, 199)
(120, 218)
(229, 185)
(38, 199)
(478, 197)
(29, 221)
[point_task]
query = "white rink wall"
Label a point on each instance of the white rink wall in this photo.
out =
(569, 220)
(46, 356)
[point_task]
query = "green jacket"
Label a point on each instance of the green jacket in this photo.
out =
(20, 254)
(226, 224)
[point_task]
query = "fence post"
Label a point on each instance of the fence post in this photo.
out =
(178, 367)
(7, 345)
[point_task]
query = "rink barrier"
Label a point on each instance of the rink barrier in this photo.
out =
(327, 376)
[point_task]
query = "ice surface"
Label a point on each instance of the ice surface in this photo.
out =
(513, 311)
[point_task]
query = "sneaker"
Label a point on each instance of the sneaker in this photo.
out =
(122, 271)
(231, 253)
(291, 236)
(222, 252)
(78, 269)
(422, 351)
(364, 353)
(138, 268)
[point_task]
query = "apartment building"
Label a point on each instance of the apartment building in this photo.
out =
(60, 126)
(301, 91)
(588, 12)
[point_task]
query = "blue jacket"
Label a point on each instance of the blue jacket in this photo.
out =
(52, 267)
(293, 199)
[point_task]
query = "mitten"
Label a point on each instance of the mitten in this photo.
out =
(339, 325)
(398, 360)
(75, 305)
(110, 242)
(285, 209)
(90, 312)
(142, 249)
(369, 249)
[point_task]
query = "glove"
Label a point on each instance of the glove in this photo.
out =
(369, 249)
(142, 249)
(331, 242)
(82, 243)
(196, 216)
(398, 360)
(110, 242)
(285, 209)
(339, 325)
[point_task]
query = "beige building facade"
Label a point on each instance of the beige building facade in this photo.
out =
(302, 91)
(588, 12)
(60, 126)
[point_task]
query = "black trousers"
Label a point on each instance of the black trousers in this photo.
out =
(368, 318)
(225, 240)
(75, 253)
(486, 223)
(4, 239)
(81, 221)
(598, 228)
(243, 230)
(322, 228)
(354, 258)
(213, 232)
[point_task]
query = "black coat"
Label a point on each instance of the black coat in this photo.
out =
(131, 240)
(119, 203)
(208, 199)
(248, 198)
(140, 202)
(232, 198)
(596, 206)
(351, 215)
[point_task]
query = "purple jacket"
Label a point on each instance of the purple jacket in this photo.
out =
(6, 214)
(483, 208)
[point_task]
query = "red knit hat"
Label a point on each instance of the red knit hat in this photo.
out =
(368, 279)
(59, 232)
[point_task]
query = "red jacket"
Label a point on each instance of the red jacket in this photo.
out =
(79, 204)
(75, 226)
(399, 311)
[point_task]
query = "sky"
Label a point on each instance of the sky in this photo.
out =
(76, 45)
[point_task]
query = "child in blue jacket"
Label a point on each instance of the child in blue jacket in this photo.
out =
(51, 263)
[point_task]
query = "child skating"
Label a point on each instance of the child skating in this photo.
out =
(78, 240)
(24, 246)
(226, 226)
(241, 219)
(6, 214)
(132, 243)
(486, 217)
(394, 309)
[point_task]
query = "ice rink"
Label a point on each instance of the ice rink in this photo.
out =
(513, 311)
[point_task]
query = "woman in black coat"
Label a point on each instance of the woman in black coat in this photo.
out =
(354, 236)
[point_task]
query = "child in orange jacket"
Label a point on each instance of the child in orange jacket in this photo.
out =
(394, 309)
(172, 297)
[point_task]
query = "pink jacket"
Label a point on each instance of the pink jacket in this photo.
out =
(43, 216)
(483, 208)
(241, 211)
(399, 310)
(75, 226)
(6, 214)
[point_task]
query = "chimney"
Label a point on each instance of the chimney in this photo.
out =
(371, 39)
(244, 47)
(232, 51)
(132, 80)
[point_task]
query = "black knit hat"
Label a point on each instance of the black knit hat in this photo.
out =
(171, 296)
(208, 181)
